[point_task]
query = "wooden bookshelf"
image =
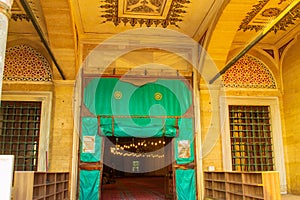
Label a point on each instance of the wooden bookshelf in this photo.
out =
(242, 185)
(208, 189)
(41, 185)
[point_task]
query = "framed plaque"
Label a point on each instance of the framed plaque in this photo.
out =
(88, 144)
(184, 149)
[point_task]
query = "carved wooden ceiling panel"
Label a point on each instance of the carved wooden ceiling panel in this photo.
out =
(267, 10)
(144, 8)
(148, 12)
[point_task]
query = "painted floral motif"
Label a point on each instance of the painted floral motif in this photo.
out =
(249, 72)
(23, 63)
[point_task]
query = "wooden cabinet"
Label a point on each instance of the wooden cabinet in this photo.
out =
(41, 185)
(242, 185)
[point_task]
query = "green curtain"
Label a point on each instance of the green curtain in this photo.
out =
(111, 96)
(89, 184)
(149, 127)
(185, 184)
(90, 137)
(89, 97)
(139, 111)
(185, 142)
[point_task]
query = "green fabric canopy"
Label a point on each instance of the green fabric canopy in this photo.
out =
(111, 96)
(124, 109)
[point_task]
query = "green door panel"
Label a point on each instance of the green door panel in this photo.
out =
(89, 184)
(185, 184)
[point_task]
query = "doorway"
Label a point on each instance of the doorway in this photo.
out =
(137, 168)
(121, 118)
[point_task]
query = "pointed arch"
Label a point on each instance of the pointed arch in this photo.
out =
(249, 72)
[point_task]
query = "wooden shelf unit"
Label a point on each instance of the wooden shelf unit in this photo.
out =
(29, 185)
(242, 185)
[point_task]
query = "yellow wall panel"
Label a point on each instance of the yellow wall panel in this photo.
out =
(291, 86)
(61, 137)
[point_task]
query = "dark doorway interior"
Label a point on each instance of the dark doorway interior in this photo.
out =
(136, 168)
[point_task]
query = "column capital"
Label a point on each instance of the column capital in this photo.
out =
(5, 7)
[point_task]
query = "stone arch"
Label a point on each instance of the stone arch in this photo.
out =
(226, 27)
(24, 63)
(249, 72)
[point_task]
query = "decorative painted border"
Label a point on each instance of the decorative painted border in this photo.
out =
(282, 25)
(20, 17)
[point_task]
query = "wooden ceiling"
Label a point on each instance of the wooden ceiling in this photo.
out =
(68, 24)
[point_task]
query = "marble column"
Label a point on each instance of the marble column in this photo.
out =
(5, 13)
(6, 167)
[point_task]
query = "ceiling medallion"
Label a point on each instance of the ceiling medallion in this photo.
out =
(144, 12)
(266, 10)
